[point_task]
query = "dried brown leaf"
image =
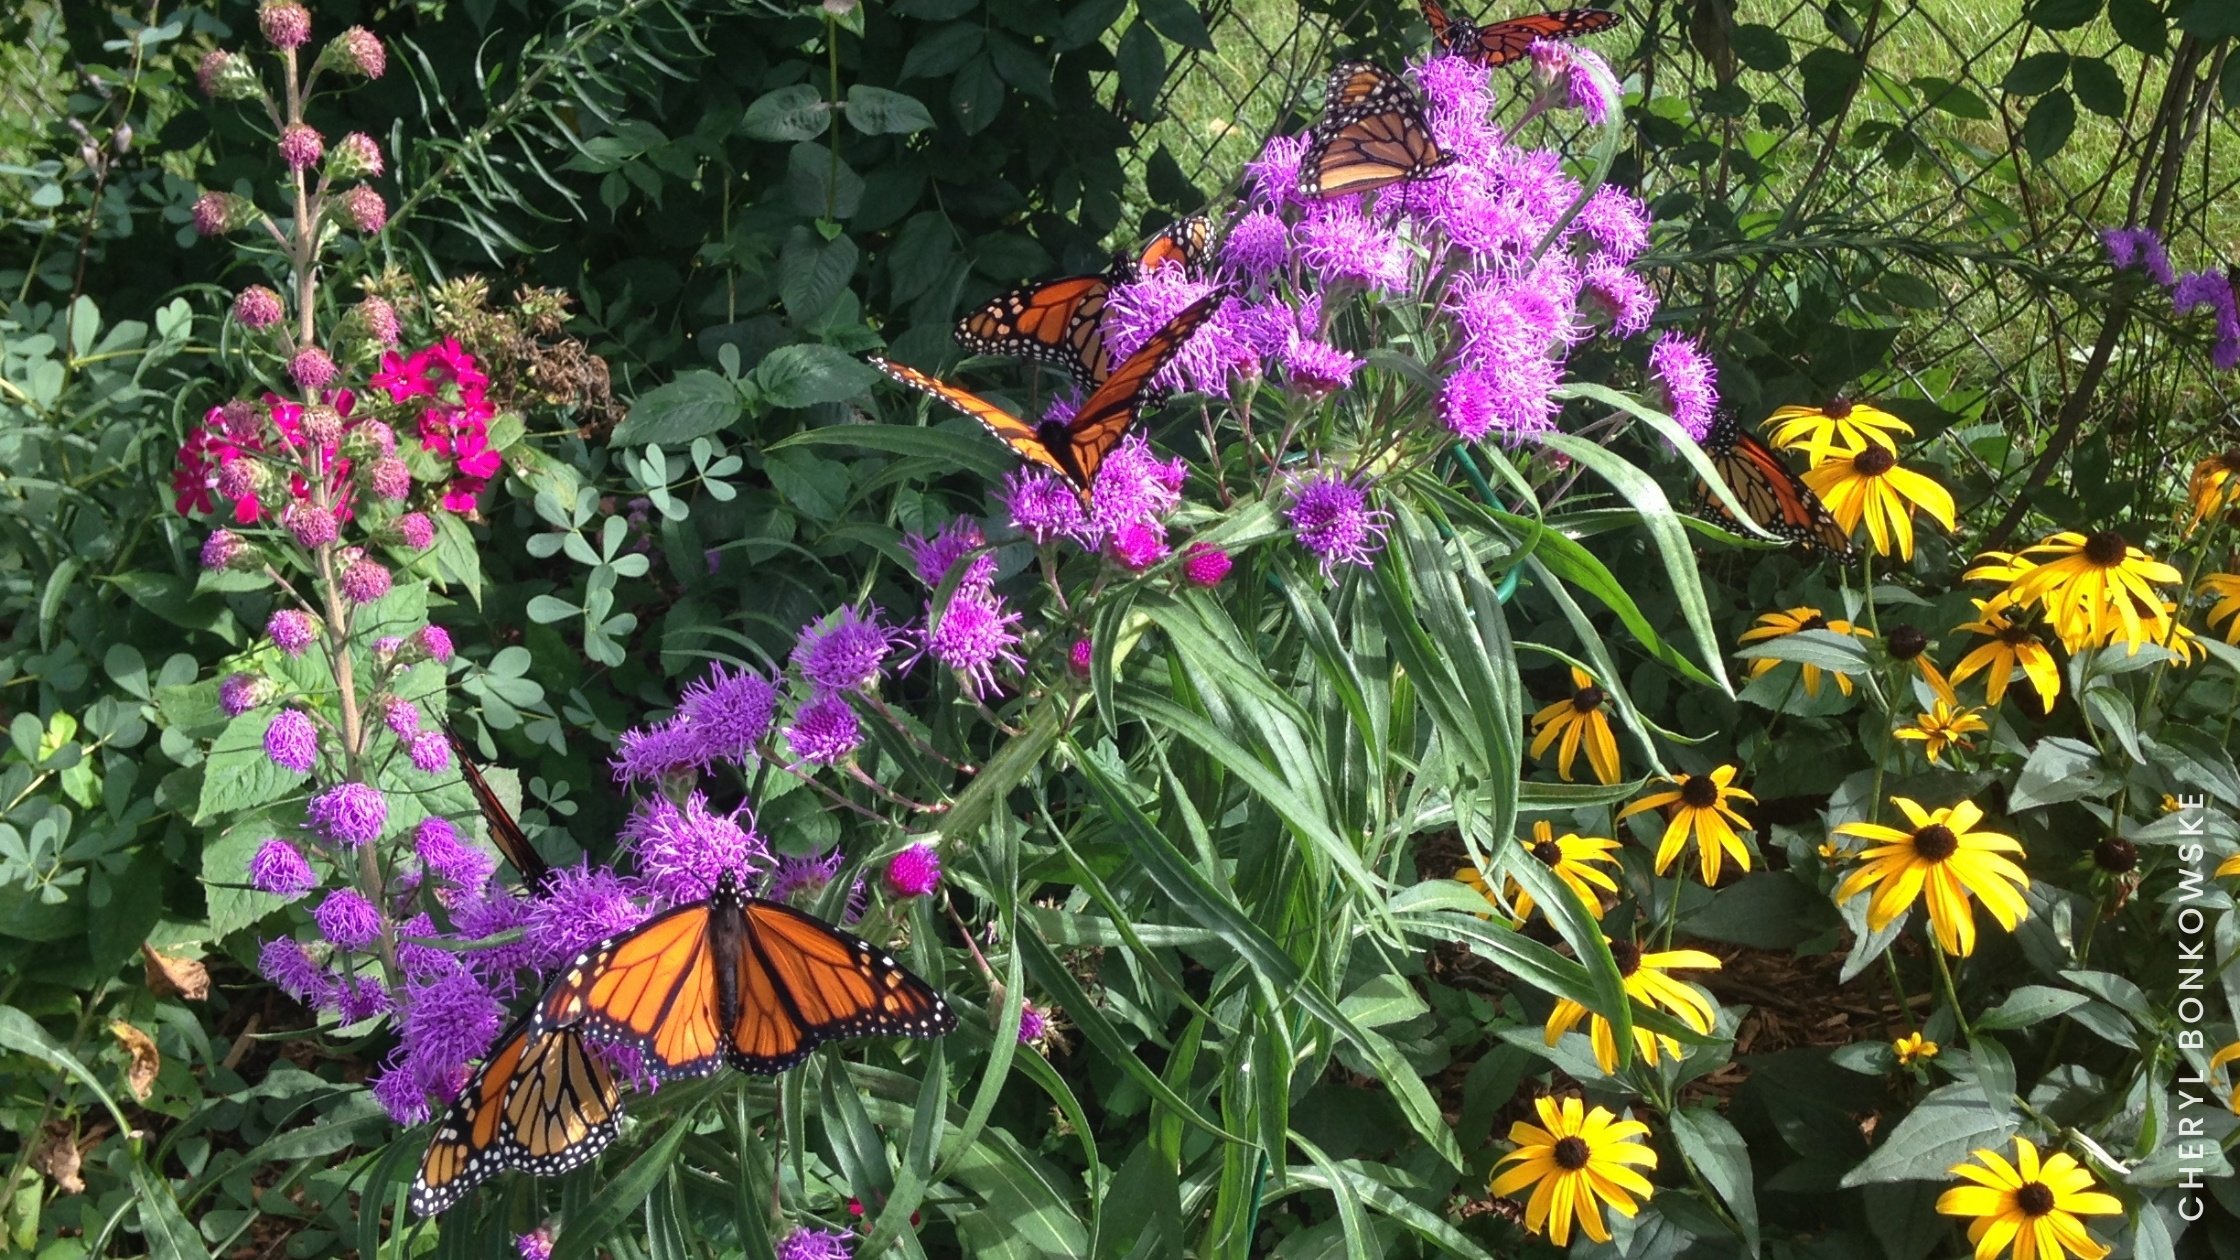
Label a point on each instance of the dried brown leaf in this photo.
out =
(170, 975)
(146, 1059)
(56, 1155)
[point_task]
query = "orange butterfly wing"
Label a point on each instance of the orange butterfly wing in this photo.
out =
(1056, 321)
(1184, 243)
(652, 988)
(541, 1105)
(803, 982)
(1434, 14)
(1511, 39)
(1777, 500)
(1021, 437)
(1372, 134)
(1106, 415)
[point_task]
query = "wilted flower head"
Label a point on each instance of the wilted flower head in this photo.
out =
(240, 693)
(221, 548)
(365, 581)
(217, 213)
(301, 146)
(257, 307)
(1333, 520)
(682, 851)
(225, 76)
(284, 22)
(802, 873)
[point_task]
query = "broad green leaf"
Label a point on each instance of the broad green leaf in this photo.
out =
(1717, 1151)
(693, 405)
(882, 111)
(794, 113)
(803, 375)
(1943, 1129)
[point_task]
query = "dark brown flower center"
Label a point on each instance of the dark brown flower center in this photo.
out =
(1873, 461)
(1548, 851)
(1907, 642)
(1571, 1154)
(1699, 792)
(1813, 622)
(2016, 635)
(2106, 549)
(1837, 409)
(2116, 855)
(1935, 842)
(1587, 699)
(1627, 955)
(2034, 1198)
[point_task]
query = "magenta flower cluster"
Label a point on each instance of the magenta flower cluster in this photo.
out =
(2214, 291)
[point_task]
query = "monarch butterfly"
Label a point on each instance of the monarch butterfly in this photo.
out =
(541, 1104)
(1372, 134)
(1776, 498)
(1062, 321)
(741, 980)
(1499, 43)
(1074, 449)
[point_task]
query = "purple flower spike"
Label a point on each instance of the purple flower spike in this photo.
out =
(1317, 369)
(813, 1244)
(284, 962)
(292, 631)
(680, 852)
(728, 714)
(1080, 657)
(292, 742)
(1138, 545)
(429, 752)
(825, 731)
(2139, 247)
(278, 868)
(914, 872)
(1042, 505)
(448, 1022)
(1134, 486)
(352, 813)
(1621, 296)
(447, 855)
(1275, 173)
(934, 557)
(535, 1245)
(1204, 564)
(1257, 246)
(972, 636)
(655, 752)
(845, 651)
(348, 920)
(584, 905)
(798, 874)
(1690, 382)
(1334, 522)
(1345, 247)
(1034, 1025)
(240, 693)
(1615, 220)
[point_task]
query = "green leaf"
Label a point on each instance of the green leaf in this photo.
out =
(1830, 75)
(2059, 769)
(815, 485)
(238, 775)
(2049, 124)
(1944, 1129)
(943, 52)
(2030, 1005)
(1761, 47)
(976, 94)
(794, 113)
(693, 405)
(168, 1233)
(2211, 20)
(2098, 87)
(2036, 73)
(1143, 68)
(20, 1034)
(1716, 1150)
(804, 375)
(948, 449)
(1179, 21)
(879, 111)
(2143, 25)
(618, 1200)
(2062, 15)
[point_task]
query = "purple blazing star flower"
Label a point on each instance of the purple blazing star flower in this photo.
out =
(365, 581)
(680, 852)
(485, 914)
(1317, 369)
(584, 905)
(1257, 246)
(292, 741)
(397, 1088)
(1458, 105)
(1504, 319)
(447, 856)
(1134, 485)
(1691, 383)
(435, 642)
(1275, 173)
(934, 557)
(401, 716)
(240, 693)
(360, 998)
(844, 651)
(1594, 87)
(1043, 505)
(1615, 220)
(1135, 312)
(1080, 656)
(972, 636)
(280, 869)
(429, 752)
(2139, 247)
(419, 959)
(353, 813)
(813, 1244)
(347, 919)
(1625, 298)
(535, 1245)
(802, 873)
(448, 1021)
(1034, 1024)
(825, 731)
(292, 630)
(1205, 564)
(1334, 522)
(285, 963)
(728, 713)
(1345, 247)
(914, 872)
(655, 752)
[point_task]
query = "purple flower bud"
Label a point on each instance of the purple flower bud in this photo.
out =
(934, 557)
(301, 146)
(292, 630)
(797, 875)
(844, 651)
(221, 548)
(429, 752)
(360, 998)
(240, 693)
(352, 813)
(364, 581)
(225, 76)
(1138, 545)
(1034, 1025)
(355, 51)
(348, 920)
(364, 208)
(284, 962)
(368, 440)
(217, 213)
(312, 369)
(1205, 564)
(1317, 369)
(415, 530)
(1333, 520)
(435, 641)
(401, 716)
(1078, 658)
(535, 1245)
(311, 525)
(257, 307)
(376, 320)
(914, 872)
(355, 156)
(278, 868)
(292, 741)
(447, 855)
(284, 22)
(825, 731)
(390, 478)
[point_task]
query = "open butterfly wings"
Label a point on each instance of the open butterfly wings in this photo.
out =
(1777, 500)
(1062, 321)
(543, 1105)
(1510, 39)
(740, 980)
(1372, 134)
(1077, 449)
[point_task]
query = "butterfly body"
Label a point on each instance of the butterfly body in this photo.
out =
(1372, 134)
(739, 980)
(1510, 39)
(1777, 500)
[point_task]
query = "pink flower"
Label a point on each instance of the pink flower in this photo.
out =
(312, 369)
(357, 51)
(284, 22)
(1205, 565)
(364, 208)
(301, 146)
(355, 156)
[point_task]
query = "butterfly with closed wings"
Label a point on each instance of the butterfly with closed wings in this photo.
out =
(1776, 498)
(739, 980)
(1510, 39)
(1372, 134)
(542, 1105)
(1075, 449)
(1062, 321)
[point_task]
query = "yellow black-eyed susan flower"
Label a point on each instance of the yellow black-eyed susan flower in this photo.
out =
(2030, 1205)
(1575, 859)
(1945, 726)
(1575, 722)
(1908, 645)
(1575, 1160)
(2215, 485)
(1774, 625)
(1869, 485)
(2093, 588)
(2226, 588)
(2013, 645)
(1944, 861)
(1912, 1048)
(1646, 983)
(2003, 567)
(1842, 426)
(1696, 806)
